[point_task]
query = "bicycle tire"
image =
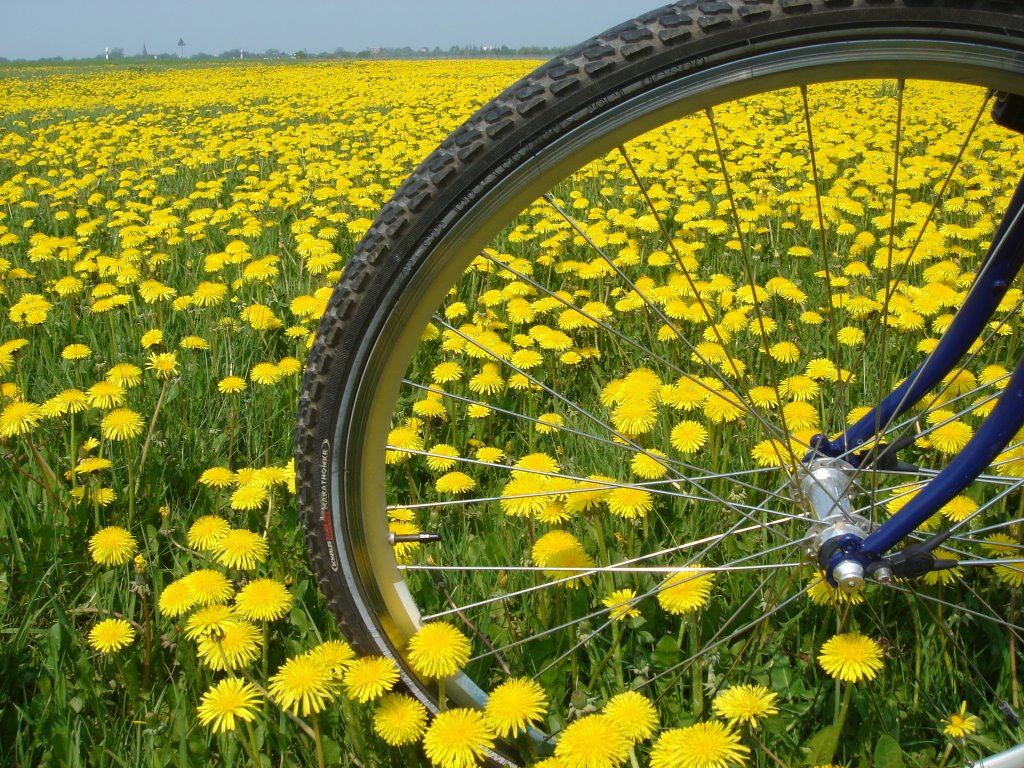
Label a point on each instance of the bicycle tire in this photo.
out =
(571, 110)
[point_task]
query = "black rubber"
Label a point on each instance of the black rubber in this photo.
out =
(666, 43)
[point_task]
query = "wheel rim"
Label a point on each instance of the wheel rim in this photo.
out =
(394, 609)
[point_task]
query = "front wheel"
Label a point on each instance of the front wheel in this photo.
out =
(587, 343)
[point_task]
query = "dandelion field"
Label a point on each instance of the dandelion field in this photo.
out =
(169, 237)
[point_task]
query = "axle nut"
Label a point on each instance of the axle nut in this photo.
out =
(849, 576)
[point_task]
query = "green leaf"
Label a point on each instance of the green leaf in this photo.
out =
(888, 753)
(666, 652)
(332, 751)
(781, 678)
(821, 746)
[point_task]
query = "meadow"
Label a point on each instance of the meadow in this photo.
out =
(169, 238)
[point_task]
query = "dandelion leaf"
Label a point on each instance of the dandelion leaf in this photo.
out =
(821, 746)
(666, 652)
(888, 753)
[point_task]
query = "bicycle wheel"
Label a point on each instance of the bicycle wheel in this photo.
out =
(588, 340)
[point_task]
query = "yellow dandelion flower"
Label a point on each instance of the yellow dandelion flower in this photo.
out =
(111, 635)
(959, 508)
(1013, 575)
(446, 372)
(303, 686)
(634, 714)
(369, 678)
(821, 369)
(1001, 545)
(946, 576)
(19, 418)
(208, 294)
(163, 364)
(950, 437)
(125, 375)
(593, 741)
(525, 359)
(548, 423)
(73, 400)
(112, 546)
(688, 436)
(478, 411)
(105, 394)
(438, 650)
(514, 706)
(646, 465)
(458, 738)
(746, 704)
(151, 338)
(336, 655)
(784, 352)
(454, 483)
(621, 604)
(263, 600)
(399, 719)
(443, 457)
(800, 415)
(210, 618)
(635, 416)
(265, 374)
(241, 548)
(960, 724)
(704, 745)
(850, 336)
(685, 591)
(231, 385)
(822, 593)
(176, 598)
(560, 549)
(537, 462)
(763, 397)
(723, 409)
(489, 454)
(121, 424)
(235, 645)
(488, 381)
(629, 503)
(195, 343)
(249, 496)
(209, 586)
(226, 701)
(799, 388)
(92, 464)
(217, 477)
(851, 657)
(206, 531)
(75, 352)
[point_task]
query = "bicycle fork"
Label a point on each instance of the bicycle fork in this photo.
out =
(847, 550)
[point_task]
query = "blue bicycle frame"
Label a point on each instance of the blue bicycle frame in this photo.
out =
(1000, 266)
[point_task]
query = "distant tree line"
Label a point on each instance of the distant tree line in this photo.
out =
(454, 52)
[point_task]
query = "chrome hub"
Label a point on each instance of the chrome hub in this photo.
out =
(824, 488)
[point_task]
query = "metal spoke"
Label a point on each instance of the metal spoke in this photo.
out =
(703, 473)
(840, 405)
(749, 269)
(652, 305)
(708, 540)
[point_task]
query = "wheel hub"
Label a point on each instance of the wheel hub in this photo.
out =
(824, 488)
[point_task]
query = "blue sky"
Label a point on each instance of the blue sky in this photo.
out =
(84, 28)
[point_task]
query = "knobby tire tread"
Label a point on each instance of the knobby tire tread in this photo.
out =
(628, 59)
